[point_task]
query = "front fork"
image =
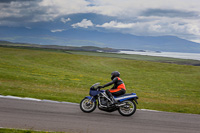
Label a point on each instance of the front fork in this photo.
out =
(92, 99)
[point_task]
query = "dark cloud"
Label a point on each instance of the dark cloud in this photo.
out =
(169, 13)
(8, 1)
(22, 11)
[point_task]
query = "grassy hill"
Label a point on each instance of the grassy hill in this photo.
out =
(55, 47)
(68, 77)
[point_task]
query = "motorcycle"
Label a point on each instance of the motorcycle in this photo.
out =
(125, 104)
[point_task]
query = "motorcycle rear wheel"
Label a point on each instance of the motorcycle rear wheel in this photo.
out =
(87, 106)
(128, 109)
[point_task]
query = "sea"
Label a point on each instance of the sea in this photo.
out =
(193, 56)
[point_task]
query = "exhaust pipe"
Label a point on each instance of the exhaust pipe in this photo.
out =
(119, 105)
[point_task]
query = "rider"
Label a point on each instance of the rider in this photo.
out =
(117, 89)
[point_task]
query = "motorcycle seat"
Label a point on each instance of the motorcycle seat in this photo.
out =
(128, 94)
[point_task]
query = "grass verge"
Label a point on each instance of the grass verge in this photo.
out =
(5, 130)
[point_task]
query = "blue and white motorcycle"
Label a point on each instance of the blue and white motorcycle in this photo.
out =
(125, 103)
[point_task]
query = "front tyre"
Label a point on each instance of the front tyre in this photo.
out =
(87, 105)
(128, 109)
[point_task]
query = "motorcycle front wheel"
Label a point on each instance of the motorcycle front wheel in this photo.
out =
(128, 109)
(87, 105)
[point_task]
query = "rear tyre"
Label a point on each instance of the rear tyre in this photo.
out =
(128, 109)
(87, 106)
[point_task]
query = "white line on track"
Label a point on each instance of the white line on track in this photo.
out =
(34, 99)
(51, 101)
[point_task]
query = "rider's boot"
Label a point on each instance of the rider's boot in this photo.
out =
(113, 100)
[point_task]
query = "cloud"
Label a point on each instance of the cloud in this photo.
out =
(64, 7)
(170, 13)
(115, 24)
(157, 27)
(132, 8)
(125, 9)
(28, 27)
(57, 30)
(65, 20)
(142, 17)
(8, 1)
(49, 10)
(83, 24)
(19, 12)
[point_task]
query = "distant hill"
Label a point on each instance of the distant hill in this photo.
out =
(57, 47)
(80, 37)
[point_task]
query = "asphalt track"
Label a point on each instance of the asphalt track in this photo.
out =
(47, 116)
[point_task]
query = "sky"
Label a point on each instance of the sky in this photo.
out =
(179, 18)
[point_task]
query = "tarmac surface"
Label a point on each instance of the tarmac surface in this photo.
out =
(66, 117)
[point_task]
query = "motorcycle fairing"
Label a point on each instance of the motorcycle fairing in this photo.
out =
(95, 92)
(126, 97)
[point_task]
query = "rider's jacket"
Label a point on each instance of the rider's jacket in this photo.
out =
(118, 84)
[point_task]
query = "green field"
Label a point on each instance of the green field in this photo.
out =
(68, 77)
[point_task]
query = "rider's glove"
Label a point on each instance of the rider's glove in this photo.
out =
(100, 87)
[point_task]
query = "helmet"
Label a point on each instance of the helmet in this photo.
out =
(114, 74)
